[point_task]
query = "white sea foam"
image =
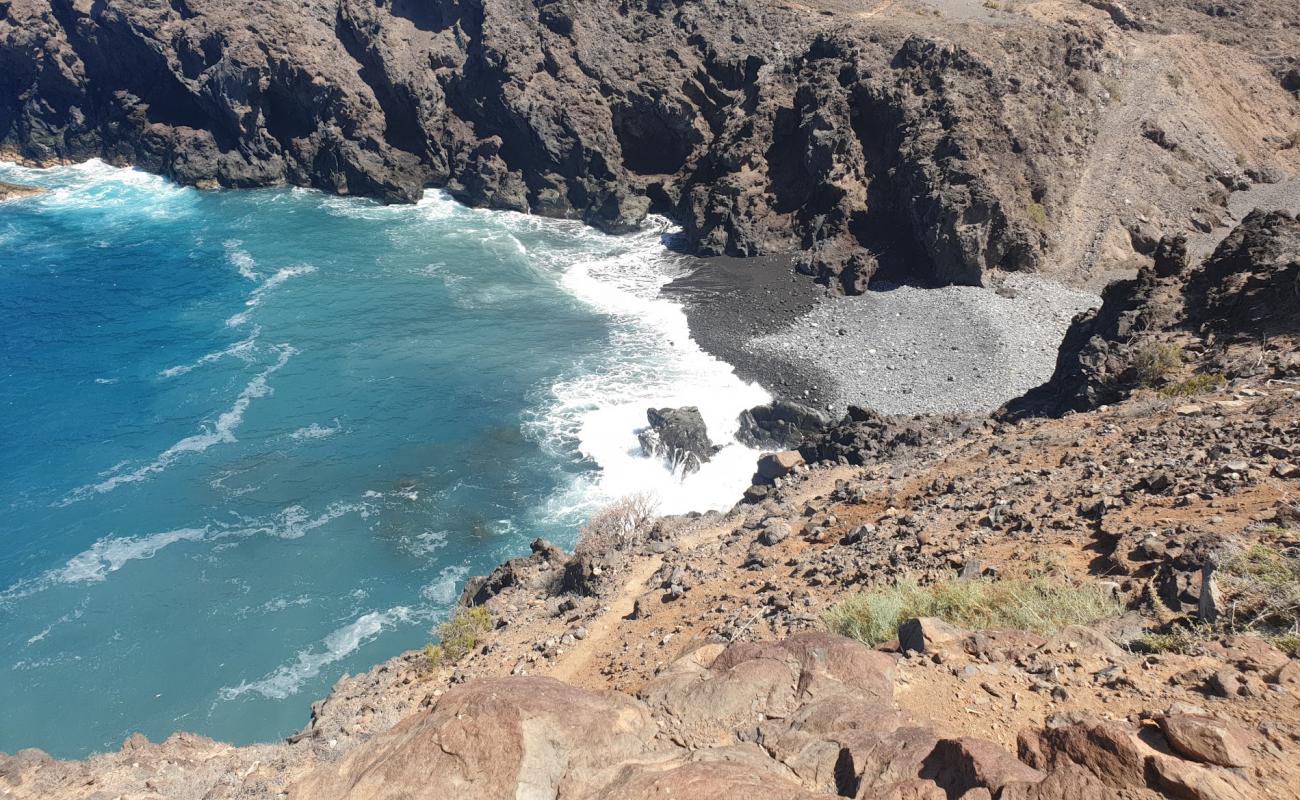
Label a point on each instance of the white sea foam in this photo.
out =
(94, 184)
(241, 260)
(266, 287)
(111, 554)
(244, 349)
(316, 431)
(442, 592)
(288, 678)
(293, 522)
(220, 432)
(653, 362)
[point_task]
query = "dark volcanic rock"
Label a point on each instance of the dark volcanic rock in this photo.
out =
(760, 128)
(678, 436)
(1244, 291)
(780, 424)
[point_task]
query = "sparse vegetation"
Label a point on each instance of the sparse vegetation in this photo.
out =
(1261, 595)
(1179, 641)
(1037, 214)
(1112, 86)
(1153, 361)
(1175, 80)
(1039, 605)
(622, 522)
(1261, 588)
(1200, 383)
(458, 636)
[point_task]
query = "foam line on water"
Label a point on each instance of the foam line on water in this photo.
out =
(220, 432)
(241, 260)
(267, 286)
(285, 680)
(111, 553)
(244, 349)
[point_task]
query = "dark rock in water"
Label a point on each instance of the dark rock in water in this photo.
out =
(678, 436)
(13, 191)
(780, 424)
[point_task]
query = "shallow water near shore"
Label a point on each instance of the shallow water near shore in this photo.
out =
(255, 440)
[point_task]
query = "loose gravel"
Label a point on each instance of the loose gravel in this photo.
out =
(908, 350)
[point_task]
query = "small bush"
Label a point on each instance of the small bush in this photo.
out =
(1039, 605)
(1153, 361)
(1175, 80)
(458, 636)
(1261, 591)
(620, 523)
(1037, 214)
(1200, 383)
(1183, 641)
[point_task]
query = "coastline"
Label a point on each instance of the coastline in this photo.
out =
(897, 349)
(729, 301)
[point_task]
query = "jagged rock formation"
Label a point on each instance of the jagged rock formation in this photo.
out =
(857, 140)
(1246, 291)
(780, 424)
(679, 437)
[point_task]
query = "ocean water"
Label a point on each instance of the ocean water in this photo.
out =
(254, 440)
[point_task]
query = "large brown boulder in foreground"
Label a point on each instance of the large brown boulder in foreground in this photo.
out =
(808, 718)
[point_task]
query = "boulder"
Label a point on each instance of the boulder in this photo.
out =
(777, 465)
(1206, 739)
(927, 635)
(1174, 777)
(780, 425)
(679, 437)
(1110, 751)
(494, 738)
(959, 765)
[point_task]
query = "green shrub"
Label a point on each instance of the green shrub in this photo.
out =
(1037, 214)
(1200, 383)
(458, 636)
(1038, 604)
(1153, 361)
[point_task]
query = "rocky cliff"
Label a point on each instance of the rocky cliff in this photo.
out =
(941, 143)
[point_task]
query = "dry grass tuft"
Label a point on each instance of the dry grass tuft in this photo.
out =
(1036, 604)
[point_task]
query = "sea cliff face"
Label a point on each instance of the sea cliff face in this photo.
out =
(853, 137)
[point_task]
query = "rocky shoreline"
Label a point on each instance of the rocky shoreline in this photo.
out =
(894, 349)
(1125, 500)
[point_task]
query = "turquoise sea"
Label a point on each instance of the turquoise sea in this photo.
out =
(254, 440)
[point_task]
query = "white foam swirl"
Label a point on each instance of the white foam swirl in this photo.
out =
(220, 432)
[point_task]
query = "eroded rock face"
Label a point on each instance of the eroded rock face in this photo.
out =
(507, 737)
(759, 128)
(808, 718)
(780, 425)
(1244, 290)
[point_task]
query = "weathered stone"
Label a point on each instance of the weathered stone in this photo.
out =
(1206, 739)
(493, 738)
(778, 465)
(927, 635)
